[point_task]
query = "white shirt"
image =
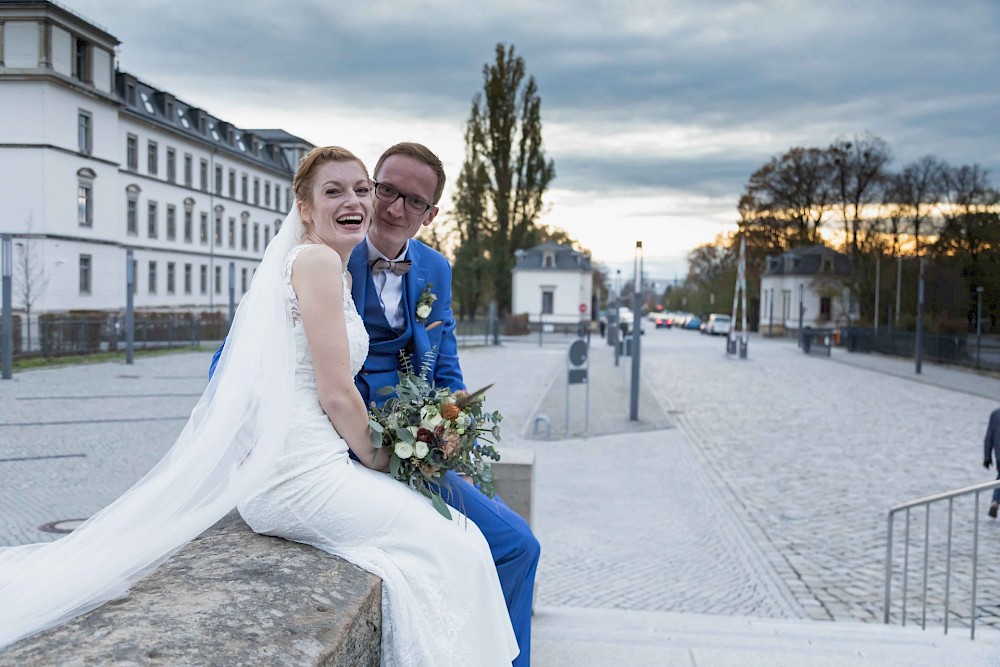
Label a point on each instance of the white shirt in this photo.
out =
(389, 286)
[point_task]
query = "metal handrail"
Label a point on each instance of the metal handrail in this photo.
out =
(928, 501)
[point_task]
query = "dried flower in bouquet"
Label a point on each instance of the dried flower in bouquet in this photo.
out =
(430, 430)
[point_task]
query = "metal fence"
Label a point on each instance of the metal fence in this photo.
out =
(63, 336)
(957, 349)
(948, 596)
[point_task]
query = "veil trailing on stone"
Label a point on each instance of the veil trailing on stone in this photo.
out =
(237, 427)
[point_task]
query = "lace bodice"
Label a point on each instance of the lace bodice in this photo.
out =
(357, 336)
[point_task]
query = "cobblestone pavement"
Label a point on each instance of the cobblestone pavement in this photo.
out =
(811, 454)
(72, 439)
(769, 499)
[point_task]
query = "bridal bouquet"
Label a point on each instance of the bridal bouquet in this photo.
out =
(432, 430)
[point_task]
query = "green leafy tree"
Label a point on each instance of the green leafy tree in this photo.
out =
(503, 180)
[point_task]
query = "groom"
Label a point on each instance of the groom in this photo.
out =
(392, 274)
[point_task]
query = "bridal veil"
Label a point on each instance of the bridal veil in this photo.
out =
(235, 430)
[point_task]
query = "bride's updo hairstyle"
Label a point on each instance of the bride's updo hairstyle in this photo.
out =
(311, 162)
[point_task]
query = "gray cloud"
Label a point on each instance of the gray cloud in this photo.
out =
(923, 75)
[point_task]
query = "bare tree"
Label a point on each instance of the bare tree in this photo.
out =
(794, 191)
(859, 169)
(917, 190)
(29, 279)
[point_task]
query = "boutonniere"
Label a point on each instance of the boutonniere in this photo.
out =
(425, 302)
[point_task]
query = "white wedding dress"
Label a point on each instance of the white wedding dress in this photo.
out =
(442, 604)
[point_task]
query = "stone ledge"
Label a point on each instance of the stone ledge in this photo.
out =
(231, 597)
(514, 480)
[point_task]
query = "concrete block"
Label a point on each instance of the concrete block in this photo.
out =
(515, 480)
(231, 597)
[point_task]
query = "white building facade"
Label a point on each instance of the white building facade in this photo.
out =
(814, 277)
(96, 162)
(553, 284)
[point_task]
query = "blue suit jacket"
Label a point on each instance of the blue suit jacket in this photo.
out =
(427, 267)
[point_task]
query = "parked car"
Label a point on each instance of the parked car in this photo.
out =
(718, 324)
(692, 322)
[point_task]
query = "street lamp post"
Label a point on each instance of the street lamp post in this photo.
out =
(919, 339)
(7, 317)
(636, 333)
(979, 321)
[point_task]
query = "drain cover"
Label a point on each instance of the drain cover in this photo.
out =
(63, 526)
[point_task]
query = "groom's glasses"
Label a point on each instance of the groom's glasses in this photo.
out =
(412, 203)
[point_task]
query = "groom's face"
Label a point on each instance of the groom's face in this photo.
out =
(394, 225)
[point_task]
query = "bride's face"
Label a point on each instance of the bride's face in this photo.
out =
(340, 205)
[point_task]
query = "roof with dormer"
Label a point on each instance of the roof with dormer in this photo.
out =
(564, 258)
(809, 261)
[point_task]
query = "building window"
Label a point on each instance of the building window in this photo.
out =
(83, 131)
(203, 175)
(277, 227)
(85, 204)
(132, 210)
(267, 235)
(203, 228)
(151, 230)
(218, 229)
(243, 232)
(81, 61)
(825, 308)
(218, 179)
(171, 165)
(218, 280)
(132, 152)
(152, 157)
(187, 169)
(256, 192)
(203, 279)
(232, 184)
(171, 222)
(277, 199)
(548, 298)
(243, 280)
(256, 237)
(85, 274)
(267, 193)
(187, 278)
(171, 269)
(232, 232)
(243, 186)
(132, 218)
(549, 261)
(152, 277)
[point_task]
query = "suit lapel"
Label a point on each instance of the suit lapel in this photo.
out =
(417, 280)
(358, 266)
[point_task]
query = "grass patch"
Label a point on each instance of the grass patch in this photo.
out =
(100, 357)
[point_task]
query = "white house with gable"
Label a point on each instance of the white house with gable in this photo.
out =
(813, 276)
(553, 284)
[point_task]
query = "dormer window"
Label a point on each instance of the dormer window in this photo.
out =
(130, 94)
(81, 61)
(827, 265)
(548, 260)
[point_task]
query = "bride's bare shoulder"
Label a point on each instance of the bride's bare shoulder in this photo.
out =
(316, 259)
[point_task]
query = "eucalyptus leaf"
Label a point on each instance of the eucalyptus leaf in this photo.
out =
(440, 505)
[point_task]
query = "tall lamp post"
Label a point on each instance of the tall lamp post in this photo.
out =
(919, 339)
(979, 321)
(7, 318)
(636, 333)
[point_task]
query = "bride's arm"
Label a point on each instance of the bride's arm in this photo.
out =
(317, 284)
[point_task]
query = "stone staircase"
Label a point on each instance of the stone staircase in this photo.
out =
(609, 637)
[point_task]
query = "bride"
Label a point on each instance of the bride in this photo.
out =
(271, 434)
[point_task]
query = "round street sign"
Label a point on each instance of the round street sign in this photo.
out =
(578, 352)
(583, 307)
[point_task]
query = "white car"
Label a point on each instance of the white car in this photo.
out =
(718, 324)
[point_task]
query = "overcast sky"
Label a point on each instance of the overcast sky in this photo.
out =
(655, 112)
